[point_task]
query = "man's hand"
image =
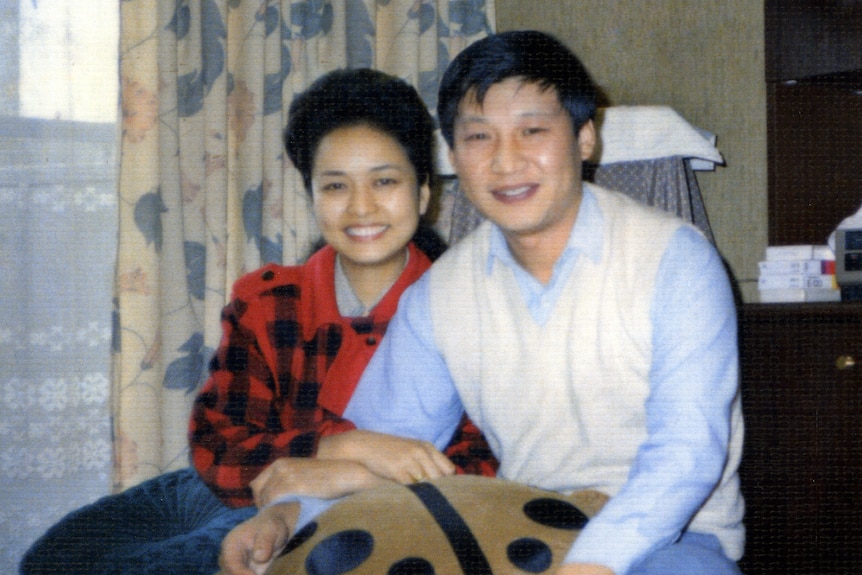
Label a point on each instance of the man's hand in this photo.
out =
(403, 460)
(324, 479)
(252, 545)
(583, 569)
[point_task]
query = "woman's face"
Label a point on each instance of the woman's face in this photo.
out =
(366, 198)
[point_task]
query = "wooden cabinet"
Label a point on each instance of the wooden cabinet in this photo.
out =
(801, 369)
(801, 365)
(814, 116)
(812, 38)
(814, 159)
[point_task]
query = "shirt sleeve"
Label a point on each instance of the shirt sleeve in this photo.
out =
(693, 383)
(406, 389)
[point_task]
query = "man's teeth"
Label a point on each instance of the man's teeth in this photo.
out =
(515, 192)
(365, 231)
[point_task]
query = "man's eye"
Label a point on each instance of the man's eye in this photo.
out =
(534, 130)
(332, 187)
(387, 182)
(476, 136)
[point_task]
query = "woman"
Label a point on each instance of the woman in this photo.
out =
(363, 142)
(296, 340)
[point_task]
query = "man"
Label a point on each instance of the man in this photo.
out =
(591, 338)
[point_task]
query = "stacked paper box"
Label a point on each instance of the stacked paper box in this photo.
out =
(800, 273)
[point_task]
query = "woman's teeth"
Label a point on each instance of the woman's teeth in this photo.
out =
(365, 231)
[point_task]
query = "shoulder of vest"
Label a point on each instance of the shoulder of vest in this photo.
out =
(642, 221)
(465, 245)
(457, 264)
(631, 205)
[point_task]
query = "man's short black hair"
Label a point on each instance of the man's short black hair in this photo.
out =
(536, 57)
(345, 98)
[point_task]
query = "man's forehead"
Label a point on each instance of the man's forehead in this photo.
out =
(472, 104)
(473, 93)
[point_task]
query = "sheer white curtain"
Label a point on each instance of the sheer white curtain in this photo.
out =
(58, 106)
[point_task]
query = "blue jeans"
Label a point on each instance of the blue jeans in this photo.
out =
(693, 554)
(171, 524)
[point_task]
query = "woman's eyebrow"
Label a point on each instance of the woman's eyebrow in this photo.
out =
(380, 168)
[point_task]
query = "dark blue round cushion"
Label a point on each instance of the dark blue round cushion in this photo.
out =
(169, 524)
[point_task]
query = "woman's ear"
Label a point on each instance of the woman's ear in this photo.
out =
(424, 197)
(587, 140)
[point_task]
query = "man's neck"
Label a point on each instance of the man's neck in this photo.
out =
(537, 252)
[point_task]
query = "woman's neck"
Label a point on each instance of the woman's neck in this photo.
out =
(371, 282)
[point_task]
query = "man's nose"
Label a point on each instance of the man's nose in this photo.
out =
(507, 156)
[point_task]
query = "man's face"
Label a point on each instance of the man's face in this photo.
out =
(519, 160)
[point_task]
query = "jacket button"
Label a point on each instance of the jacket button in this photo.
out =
(371, 340)
(268, 275)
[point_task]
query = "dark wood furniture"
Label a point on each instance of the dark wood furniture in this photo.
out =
(801, 367)
(801, 364)
(814, 116)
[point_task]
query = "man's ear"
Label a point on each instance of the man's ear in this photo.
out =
(587, 140)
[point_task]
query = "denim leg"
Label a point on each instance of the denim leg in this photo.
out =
(169, 524)
(694, 553)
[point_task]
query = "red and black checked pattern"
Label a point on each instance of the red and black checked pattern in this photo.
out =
(255, 409)
(284, 372)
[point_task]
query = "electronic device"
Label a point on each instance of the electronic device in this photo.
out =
(848, 263)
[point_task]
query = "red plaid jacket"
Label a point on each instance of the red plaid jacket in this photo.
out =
(285, 370)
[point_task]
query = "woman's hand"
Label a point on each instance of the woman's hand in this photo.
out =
(251, 546)
(324, 479)
(396, 458)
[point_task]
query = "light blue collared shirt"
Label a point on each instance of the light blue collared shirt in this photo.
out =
(585, 239)
(408, 391)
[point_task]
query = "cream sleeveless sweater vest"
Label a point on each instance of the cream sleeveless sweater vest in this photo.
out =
(562, 404)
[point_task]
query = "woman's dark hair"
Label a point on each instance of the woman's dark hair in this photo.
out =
(344, 98)
(536, 57)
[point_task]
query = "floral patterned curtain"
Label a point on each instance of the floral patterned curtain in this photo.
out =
(206, 193)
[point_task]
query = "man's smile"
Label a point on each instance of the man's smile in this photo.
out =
(515, 193)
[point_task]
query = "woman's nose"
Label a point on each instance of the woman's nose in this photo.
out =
(361, 201)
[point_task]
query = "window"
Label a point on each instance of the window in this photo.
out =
(58, 151)
(68, 60)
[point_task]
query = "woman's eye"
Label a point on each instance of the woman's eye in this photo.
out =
(387, 182)
(534, 130)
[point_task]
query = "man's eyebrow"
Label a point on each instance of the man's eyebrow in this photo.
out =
(384, 167)
(471, 119)
(475, 118)
(540, 114)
